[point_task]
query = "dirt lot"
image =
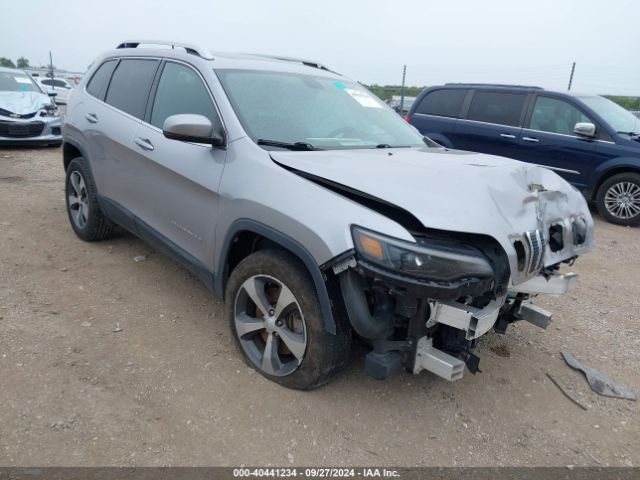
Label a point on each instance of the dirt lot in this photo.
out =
(170, 389)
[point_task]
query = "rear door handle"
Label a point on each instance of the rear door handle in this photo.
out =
(91, 118)
(530, 139)
(144, 143)
(508, 135)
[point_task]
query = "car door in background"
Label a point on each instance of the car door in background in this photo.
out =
(178, 181)
(492, 124)
(548, 139)
(436, 114)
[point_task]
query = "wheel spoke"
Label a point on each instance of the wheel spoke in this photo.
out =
(75, 183)
(270, 360)
(285, 299)
(246, 324)
(81, 217)
(73, 200)
(255, 290)
(85, 209)
(295, 342)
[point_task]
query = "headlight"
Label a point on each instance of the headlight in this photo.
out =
(49, 111)
(434, 262)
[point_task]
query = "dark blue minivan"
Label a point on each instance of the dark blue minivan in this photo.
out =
(587, 139)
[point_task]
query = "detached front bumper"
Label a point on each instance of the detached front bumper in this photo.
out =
(33, 131)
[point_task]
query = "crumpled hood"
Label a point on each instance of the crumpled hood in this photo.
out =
(456, 191)
(23, 103)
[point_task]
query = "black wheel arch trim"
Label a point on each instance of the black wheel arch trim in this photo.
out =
(602, 173)
(75, 143)
(295, 247)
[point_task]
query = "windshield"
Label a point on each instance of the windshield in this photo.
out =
(317, 111)
(621, 120)
(17, 82)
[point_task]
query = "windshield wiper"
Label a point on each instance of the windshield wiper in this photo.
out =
(386, 145)
(631, 134)
(297, 146)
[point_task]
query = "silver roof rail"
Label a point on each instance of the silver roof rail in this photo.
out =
(308, 63)
(192, 49)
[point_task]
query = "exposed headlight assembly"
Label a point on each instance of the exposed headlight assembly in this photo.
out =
(49, 111)
(432, 262)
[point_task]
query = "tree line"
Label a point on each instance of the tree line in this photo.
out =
(21, 62)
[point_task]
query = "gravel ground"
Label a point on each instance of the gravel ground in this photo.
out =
(169, 389)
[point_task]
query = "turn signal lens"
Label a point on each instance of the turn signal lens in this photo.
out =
(372, 246)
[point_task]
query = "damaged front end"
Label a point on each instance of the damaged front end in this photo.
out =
(423, 305)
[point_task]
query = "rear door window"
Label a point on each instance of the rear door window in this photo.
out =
(98, 84)
(130, 84)
(555, 116)
(181, 90)
(497, 107)
(444, 102)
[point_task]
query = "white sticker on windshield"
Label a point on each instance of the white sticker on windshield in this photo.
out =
(363, 98)
(22, 80)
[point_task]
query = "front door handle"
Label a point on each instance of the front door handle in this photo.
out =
(91, 118)
(530, 139)
(508, 135)
(144, 143)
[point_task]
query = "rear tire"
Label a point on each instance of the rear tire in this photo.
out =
(315, 356)
(85, 215)
(618, 199)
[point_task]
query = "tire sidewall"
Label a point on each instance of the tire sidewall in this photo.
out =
(604, 188)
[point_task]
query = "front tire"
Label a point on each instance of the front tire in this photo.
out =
(85, 215)
(274, 314)
(618, 199)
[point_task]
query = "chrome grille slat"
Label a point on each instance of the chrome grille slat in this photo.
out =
(536, 243)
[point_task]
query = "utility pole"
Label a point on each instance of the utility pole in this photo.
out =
(51, 64)
(53, 84)
(404, 74)
(573, 69)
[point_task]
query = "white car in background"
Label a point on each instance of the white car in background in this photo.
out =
(28, 116)
(55, 85)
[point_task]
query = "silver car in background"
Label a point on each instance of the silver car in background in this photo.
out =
(315, 211)
(28, 116)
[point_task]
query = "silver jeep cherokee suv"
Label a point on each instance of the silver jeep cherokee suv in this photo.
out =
(314, 210)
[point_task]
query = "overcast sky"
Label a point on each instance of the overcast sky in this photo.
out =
(532, 43)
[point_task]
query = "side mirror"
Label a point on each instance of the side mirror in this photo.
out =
(52, 94)
(585, 129)
(189, 127)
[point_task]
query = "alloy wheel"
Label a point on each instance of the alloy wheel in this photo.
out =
(78, 199)
(270, 325)
(622, 200)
